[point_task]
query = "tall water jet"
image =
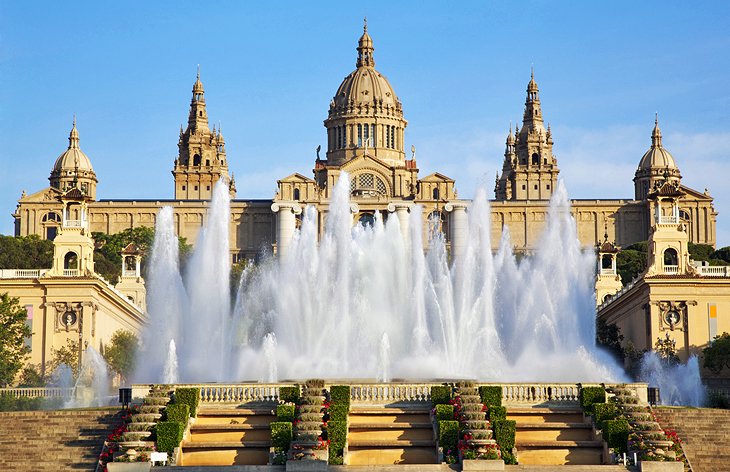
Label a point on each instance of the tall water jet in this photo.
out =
(679, 384)
(384, 361)
(169, 374)
(269, 349)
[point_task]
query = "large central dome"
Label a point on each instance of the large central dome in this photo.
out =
(365, 115)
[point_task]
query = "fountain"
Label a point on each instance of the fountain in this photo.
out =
(363, 302)
(93, 385)
(169, 374)
(679, 384)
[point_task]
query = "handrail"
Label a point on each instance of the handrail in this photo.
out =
(38, 392)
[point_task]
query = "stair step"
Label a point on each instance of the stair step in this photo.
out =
(374, 443)
(402, 425)
(415, 410)
(558, 444)
(224, 445)
(543, 410)
(555, 425)
(236, 412)
(228, 427)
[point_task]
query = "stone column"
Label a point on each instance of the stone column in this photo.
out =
(285, 224)
(458, 227)
(401, 210)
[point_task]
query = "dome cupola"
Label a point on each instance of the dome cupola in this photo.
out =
(73, 168)
(656, 165)
(365, 115)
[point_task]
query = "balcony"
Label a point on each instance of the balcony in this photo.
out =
(71, 272)
(608, 271)
(671, 269)
(715, 271)
(669, 220)
(22, 273)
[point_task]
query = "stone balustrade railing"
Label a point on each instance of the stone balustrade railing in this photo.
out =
(536, 393)
(22, 273)
(391, 392)
(715, 271)
(236, 393)
(38, 392)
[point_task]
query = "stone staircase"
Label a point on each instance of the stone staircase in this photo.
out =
(229, 436)
(54, 440)
(554, 436)
(380, 435)
(705, 434)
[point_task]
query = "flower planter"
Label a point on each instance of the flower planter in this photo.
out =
(129, 466)
(475, 464)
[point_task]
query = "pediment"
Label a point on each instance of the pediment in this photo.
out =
(296, 177)
(692, 194)
(366, 162)
(48, 194)
(436, 177)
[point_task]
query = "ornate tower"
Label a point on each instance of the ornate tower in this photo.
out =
(201, 160)
(73, 248)
(668, 240)
(656, 166)
(608, 281)
(365, 113)
(72, 167)
(131, 282)
(530, 170)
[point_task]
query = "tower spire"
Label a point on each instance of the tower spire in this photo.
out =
(198, 118)
(73, 137)
(656, 134)
(365, 48)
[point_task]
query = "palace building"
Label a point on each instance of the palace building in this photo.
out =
(365, 126)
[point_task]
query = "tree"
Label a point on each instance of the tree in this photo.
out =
(610, 337)
(31, 376)
(722, 254)
(121, 352)
(68, 355)
(108, 248)
(629, 264)
(700, 252)
(717, 355)
(25, 252)
(13, 333)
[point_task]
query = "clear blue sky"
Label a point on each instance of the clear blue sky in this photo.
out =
(126, 69)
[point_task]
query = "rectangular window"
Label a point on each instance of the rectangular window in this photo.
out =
(372, 135)
(392, 137)
(196, 188)
(387, 136)
(712, 320)
(183, 187)
(359, 135)
(208, 187)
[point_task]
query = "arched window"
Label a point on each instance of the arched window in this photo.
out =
(359, 135)
(196, 160)
(366, 219)
(606, 262)
(436, 193)
(207, 162)
(535, 159)
(51, 216)
(296, 194)
(670, 257)
(130, 264)
(684, 215)
(71, 260)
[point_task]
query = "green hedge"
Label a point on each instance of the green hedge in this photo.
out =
(444, 412)
(338, 412)
(281, 435)
(603, 412)
(169, 435)
(491, 395)
(189, 397)
(440, 394)
(340, 394)
(285, 413)
(337, 435)
(497, 413)
(289, 394)
(616, 434)
(8, 402)
(178, 412)
(591, 395)
(448, 434)
(504, 434)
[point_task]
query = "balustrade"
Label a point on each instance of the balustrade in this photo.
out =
(70, 272)
(22, 273)
(391, 392)
(668, 220)
(73, 223)
(715, 271)
(238, 393)
(540, 393)
(38, 392)
(671, 269)
(608, 271)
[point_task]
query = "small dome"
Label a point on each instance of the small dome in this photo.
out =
(365, 86)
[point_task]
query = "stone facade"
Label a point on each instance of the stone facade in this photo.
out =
(365, 137)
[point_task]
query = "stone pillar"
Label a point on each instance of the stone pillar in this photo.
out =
(285, 224)
(458, 227)
(401, 210)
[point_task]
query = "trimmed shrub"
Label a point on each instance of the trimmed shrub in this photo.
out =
(169, 435)
(337, 435)
(616, 434)
(603, 412)
(289, 394)
(285, 413)
(189, 397)
(504, 434)
(281, 435)
(440, 394)
(497, 413)
(340, 394)
(444, 412)
(448, 434)
(338, 412)
(179, 413)
(491, 395)
(591, 395)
